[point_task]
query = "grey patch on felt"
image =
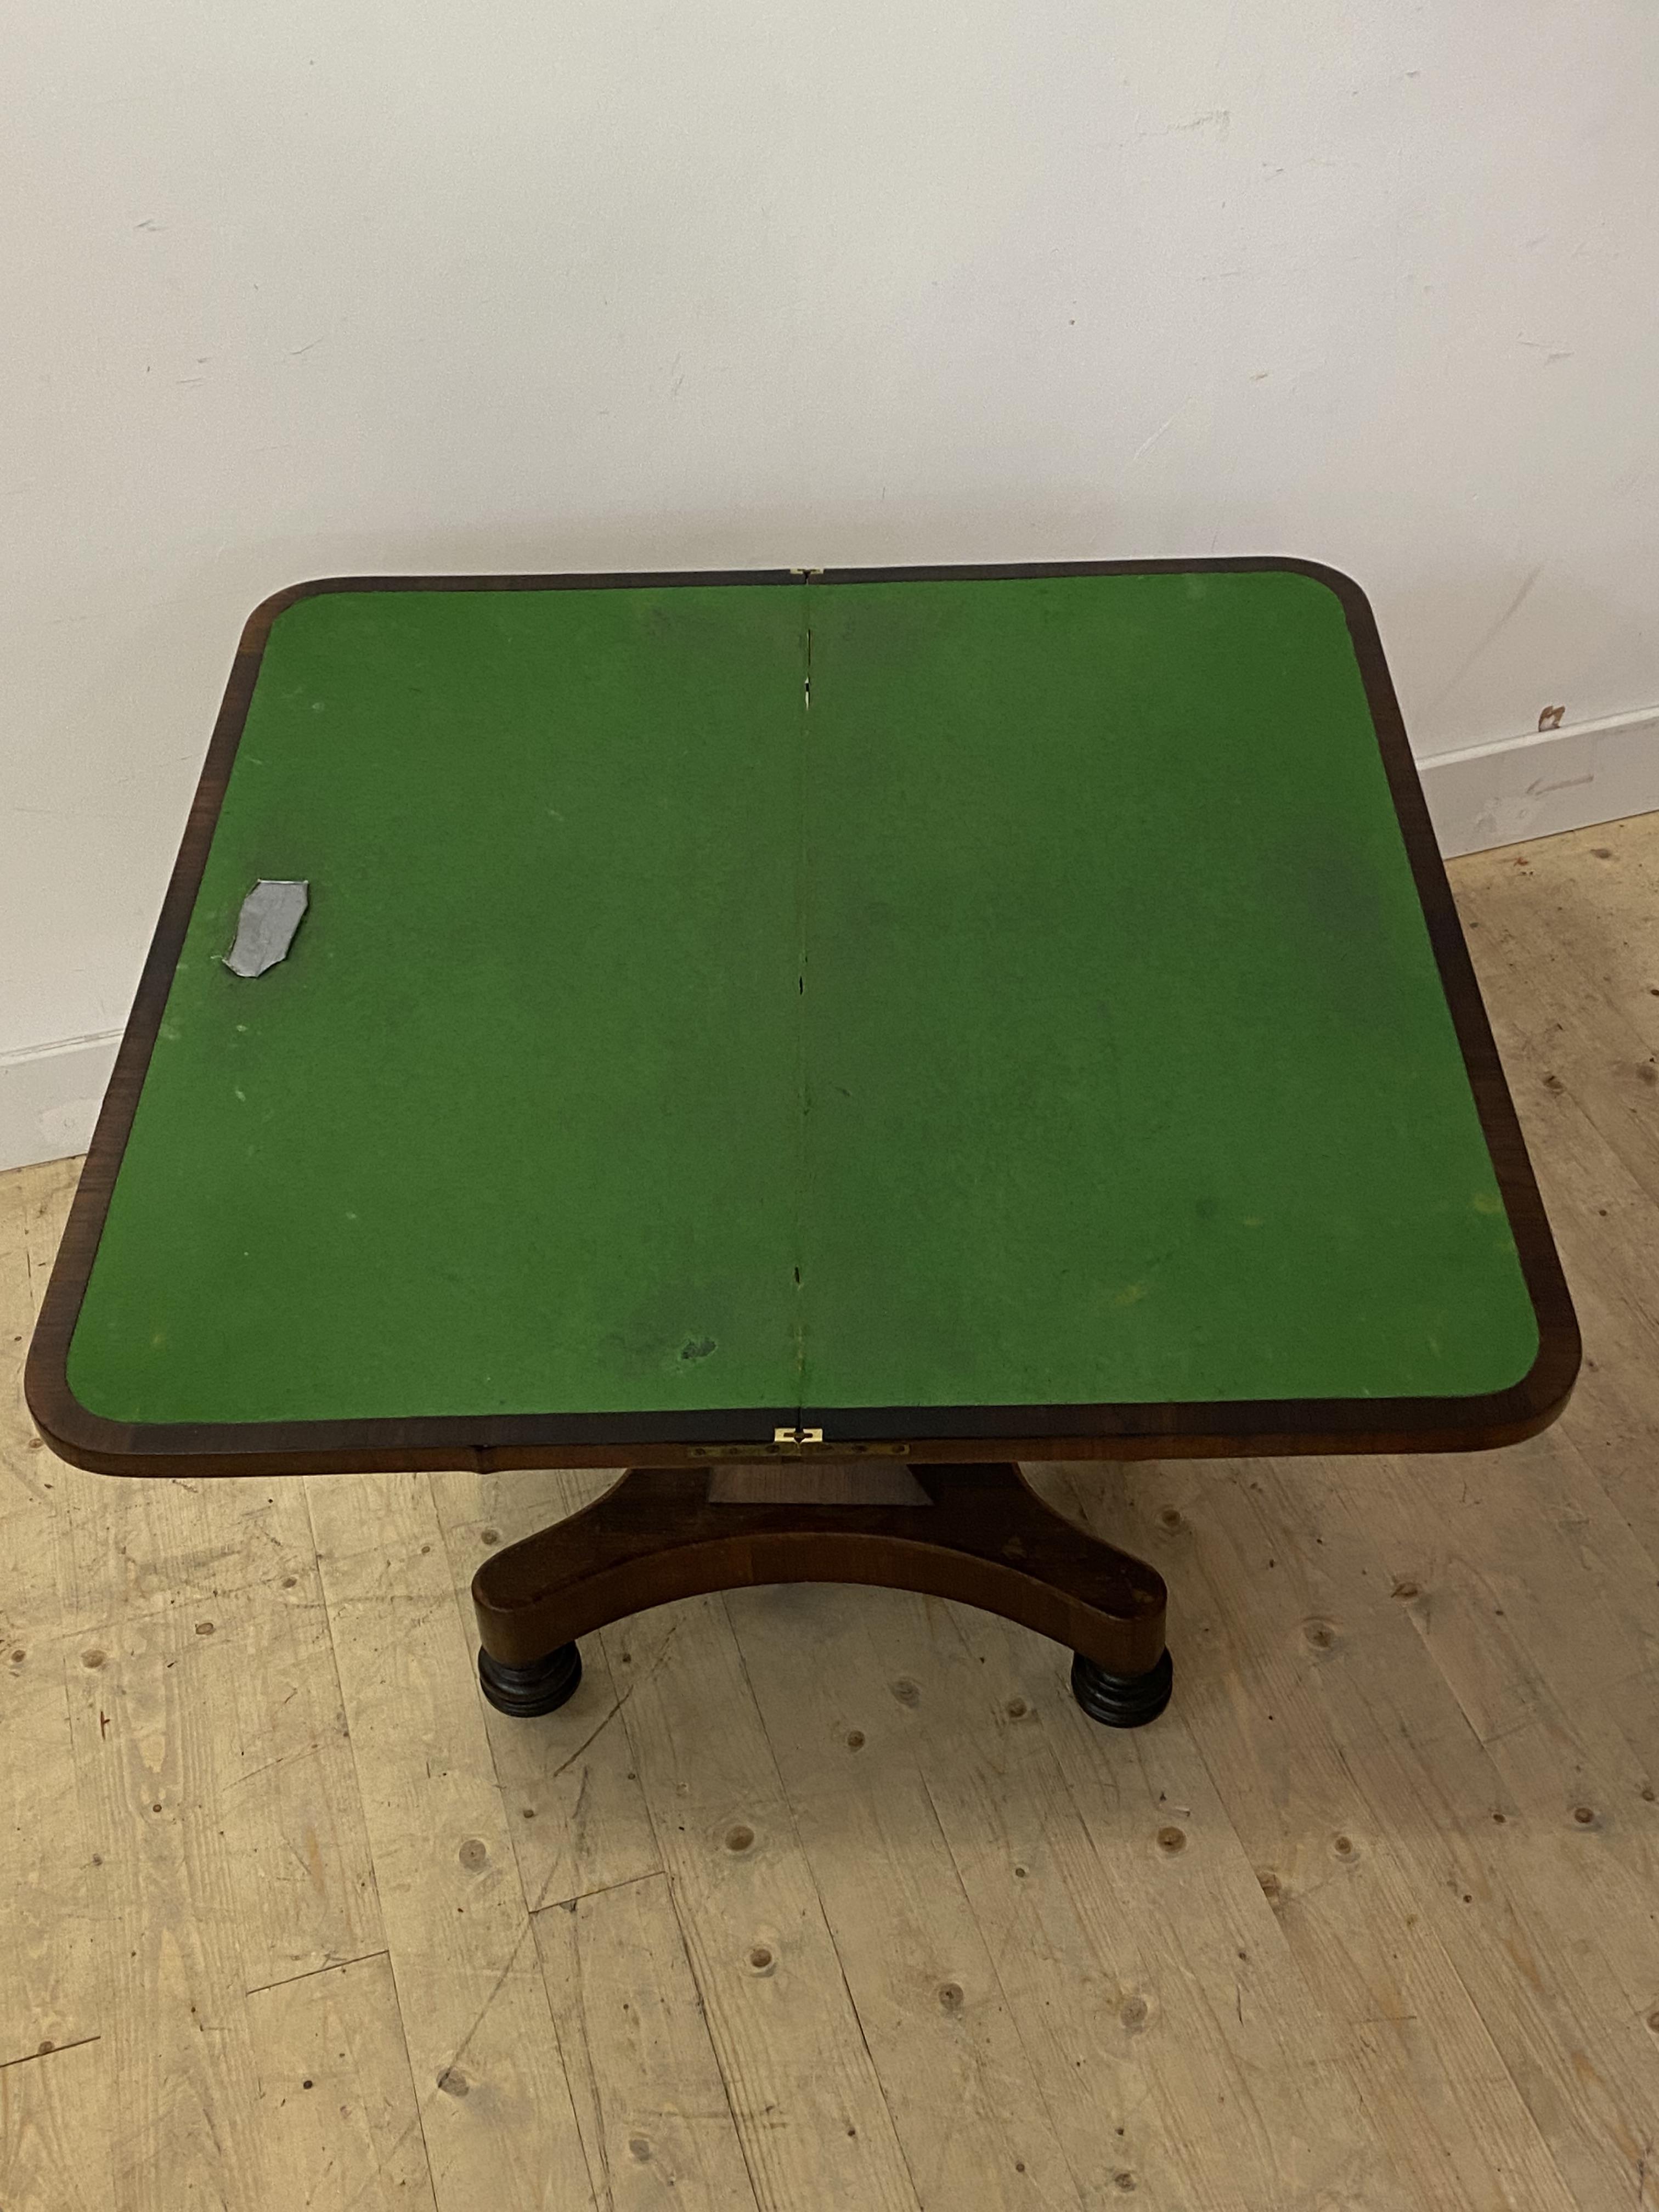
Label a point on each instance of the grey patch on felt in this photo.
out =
(265, 928)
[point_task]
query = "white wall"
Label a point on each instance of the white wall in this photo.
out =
(336, 287)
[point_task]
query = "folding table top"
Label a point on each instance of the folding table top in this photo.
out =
(956, 1011)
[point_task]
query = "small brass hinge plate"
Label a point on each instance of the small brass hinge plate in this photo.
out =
(797, 1444)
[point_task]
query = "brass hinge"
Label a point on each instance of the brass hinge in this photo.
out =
(797, 1444)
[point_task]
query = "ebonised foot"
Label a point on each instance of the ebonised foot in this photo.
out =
(1124, 1701)
(542, 1688)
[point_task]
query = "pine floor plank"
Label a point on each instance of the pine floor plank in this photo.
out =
(516, 1500)
(49, 1972)
(965, 2096)
(1562, 1031)
(21, 1451)
(1327, 1667)
(33, 1203)
(576, 1809)
(622, 1987)
(1344, 1899)
(230, 1567)
(1256, 2078)
(153, 1744)
(208, 1549)
(340, 2129)
(895, 1788)
(494, 2105)
(1497, 1553)
(291, 1809)
(1595, 894)
(54, 2132)
(1196, 2039)
(1570, 1723)
(803, 2090)
(1520, 1889)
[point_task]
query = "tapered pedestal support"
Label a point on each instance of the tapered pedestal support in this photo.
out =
(977, 1533)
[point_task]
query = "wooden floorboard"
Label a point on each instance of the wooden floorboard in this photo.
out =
(495, 2107)
(814, 1897)
(633, 2033)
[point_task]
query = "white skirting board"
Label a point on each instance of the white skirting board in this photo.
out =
(50, 1096)
(1534, 785)
(1485, 795)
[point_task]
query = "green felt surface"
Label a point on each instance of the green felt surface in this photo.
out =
(1120, 1071)
(514, 1127)
(1131, 1075)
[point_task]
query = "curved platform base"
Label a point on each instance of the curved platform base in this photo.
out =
(978, 1534)
(541, 1687)
(1124, 1701)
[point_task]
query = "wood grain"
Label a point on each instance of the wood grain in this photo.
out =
(18, 1438)
(54, 2132)
(27, 1206)
(1196, 2035)
(48, 1983)
(1571, 956)
(979, 1534)
(495, 2107)
(153, 1749)
(625, 2000)
(805, 2091)
(968, 2100)
(1341, 1884)
(1324, 1651)
(340, 2130)
(227, 1574)
(877, 1679)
